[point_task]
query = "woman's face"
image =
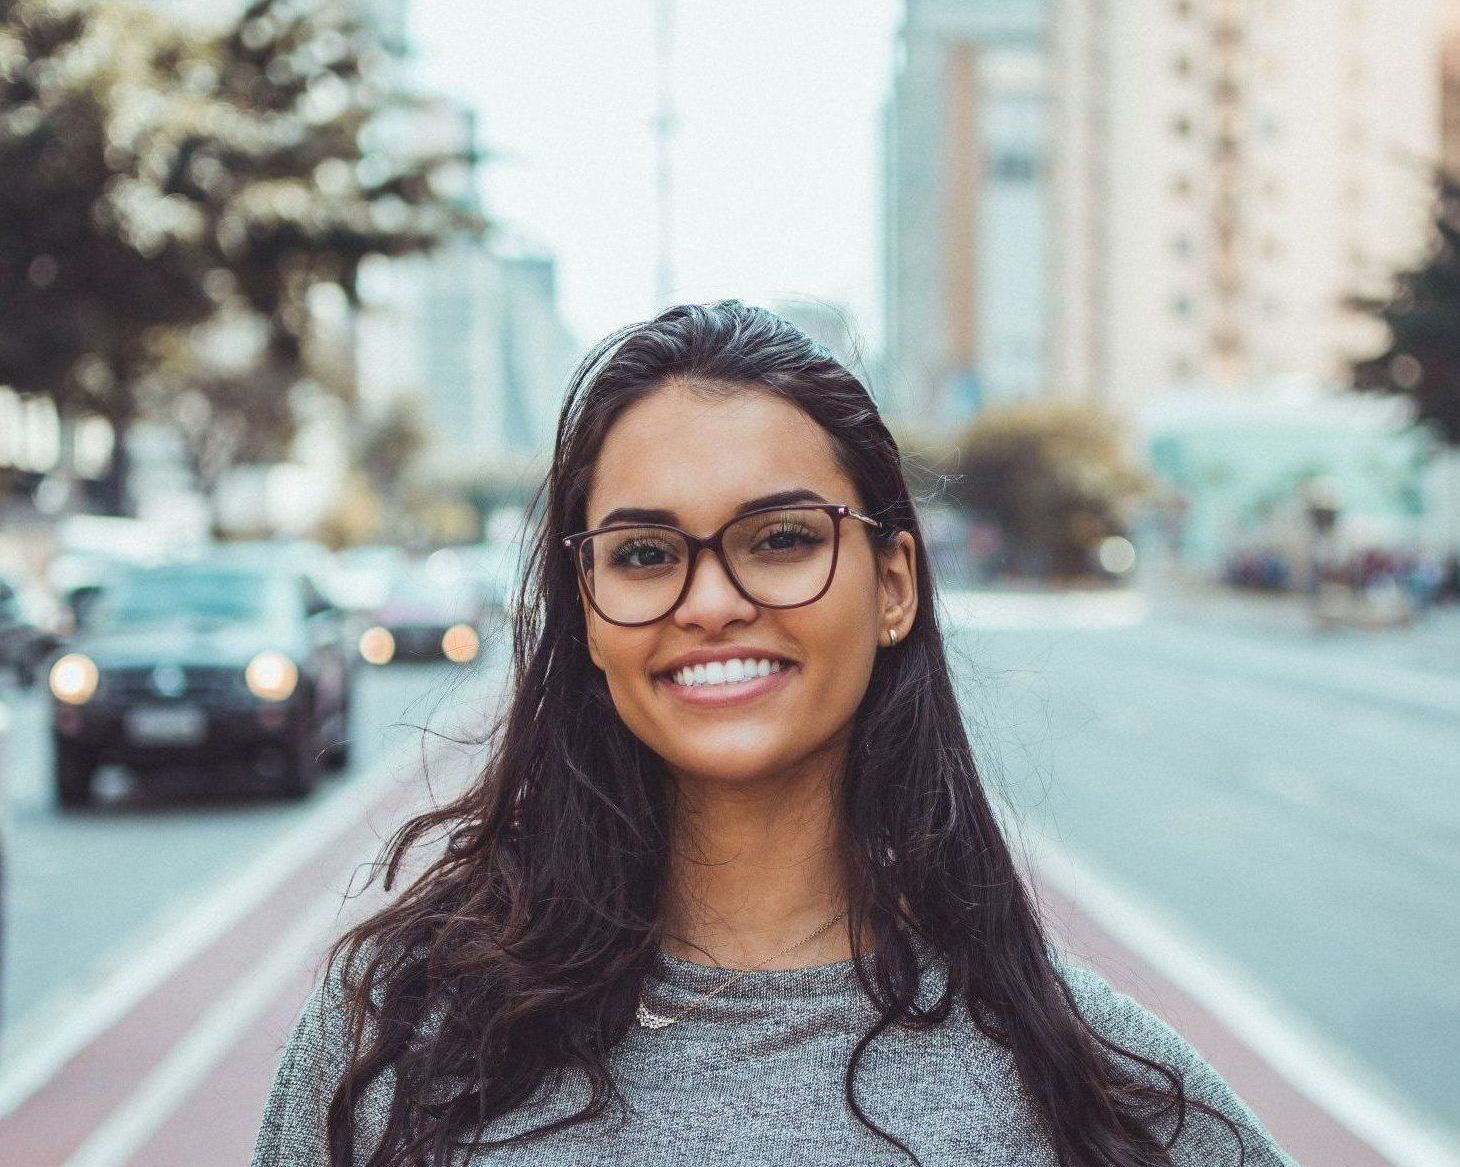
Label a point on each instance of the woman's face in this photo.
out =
(699, 458)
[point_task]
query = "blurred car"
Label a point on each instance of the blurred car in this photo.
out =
(219, 658)
(27, 632)
(435, 611)
(362, 578)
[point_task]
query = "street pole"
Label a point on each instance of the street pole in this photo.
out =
(663, 139)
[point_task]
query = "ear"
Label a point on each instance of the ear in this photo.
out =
(590, 621)
(897, 587)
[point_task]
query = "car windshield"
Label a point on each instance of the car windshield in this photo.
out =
(432, 589)
(193, 593)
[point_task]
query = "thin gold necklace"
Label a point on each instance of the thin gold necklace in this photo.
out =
(651, 1020)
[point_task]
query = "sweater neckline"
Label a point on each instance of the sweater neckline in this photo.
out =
(819, 980)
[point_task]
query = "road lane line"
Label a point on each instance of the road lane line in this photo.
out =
(38, 1050)
(1241, 649)
(974, 610)
(1331, 1078)
(113, 1142)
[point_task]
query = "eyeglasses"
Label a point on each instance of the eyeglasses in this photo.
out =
(777, 557)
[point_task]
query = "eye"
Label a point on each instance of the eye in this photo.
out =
(641, 552)
(788, 536)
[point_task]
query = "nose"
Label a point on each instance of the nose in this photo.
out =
(712, 601)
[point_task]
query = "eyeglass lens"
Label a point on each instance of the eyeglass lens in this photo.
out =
(781, 558)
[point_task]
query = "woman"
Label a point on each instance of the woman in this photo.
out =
(729, 890)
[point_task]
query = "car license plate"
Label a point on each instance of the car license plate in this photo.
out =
(171, 725)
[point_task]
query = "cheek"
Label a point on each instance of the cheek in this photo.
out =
(838, 650)
(622, 653)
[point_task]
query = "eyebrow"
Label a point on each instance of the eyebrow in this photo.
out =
(781, 498)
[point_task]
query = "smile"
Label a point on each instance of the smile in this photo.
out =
(726, 682)
(725, 672)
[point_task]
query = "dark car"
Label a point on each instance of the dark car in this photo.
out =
(199, 663)
(432, 613)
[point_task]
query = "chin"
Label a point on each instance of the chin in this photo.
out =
(730, 763)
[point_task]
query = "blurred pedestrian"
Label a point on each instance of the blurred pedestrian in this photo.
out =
(1450, 578)
(730, 889)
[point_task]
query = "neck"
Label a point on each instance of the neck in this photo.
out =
(756, 867)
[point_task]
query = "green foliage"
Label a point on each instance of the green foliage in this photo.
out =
(1422, 360)
(94, 255)
(1055, 476)
(320, 160)
(153, 179)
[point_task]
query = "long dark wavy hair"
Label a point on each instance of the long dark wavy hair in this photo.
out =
(517, 954)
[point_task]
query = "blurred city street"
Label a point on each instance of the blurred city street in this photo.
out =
(1160, 304)
(1231, 777)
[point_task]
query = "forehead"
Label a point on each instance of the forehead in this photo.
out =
(699, 455)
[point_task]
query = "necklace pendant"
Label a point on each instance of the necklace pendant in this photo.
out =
(650, 1020)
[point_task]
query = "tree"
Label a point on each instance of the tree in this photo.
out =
(1053, 475)
(150, 177)
(95, 258)
(329, 160)
(1422, 360)
(321, 161)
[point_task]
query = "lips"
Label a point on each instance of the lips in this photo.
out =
(728, 692)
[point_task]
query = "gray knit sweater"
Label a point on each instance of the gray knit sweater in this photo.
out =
(755, 1077)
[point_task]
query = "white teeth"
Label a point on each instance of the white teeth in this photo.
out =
(725, 672)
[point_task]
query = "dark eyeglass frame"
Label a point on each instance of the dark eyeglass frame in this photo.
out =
(715, 543)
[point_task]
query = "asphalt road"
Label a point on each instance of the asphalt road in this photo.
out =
(1292, 802)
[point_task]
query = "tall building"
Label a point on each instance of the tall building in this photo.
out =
(474, 334)
(1231, 173)
(966, 263)
(1217, 179)
(471, 330)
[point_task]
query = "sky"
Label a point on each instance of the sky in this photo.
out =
(776, 146)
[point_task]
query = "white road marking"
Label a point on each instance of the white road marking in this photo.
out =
(977, 610)
(1209, 649)
(136, 1119)
(37, 1050)
(1334, 1080)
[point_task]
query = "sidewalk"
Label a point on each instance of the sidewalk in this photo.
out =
(1430, 644)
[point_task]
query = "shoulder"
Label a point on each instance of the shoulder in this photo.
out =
(1124, 1021)
(293, 1132)
(1119, 1017)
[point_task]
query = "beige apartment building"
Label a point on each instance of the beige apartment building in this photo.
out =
(1216, 179)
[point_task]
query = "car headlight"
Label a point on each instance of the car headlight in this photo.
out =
(271, 676)
(74, 678)
(460, 643)
(377, 645)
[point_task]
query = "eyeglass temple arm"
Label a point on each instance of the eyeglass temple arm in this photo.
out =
(878, 523)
